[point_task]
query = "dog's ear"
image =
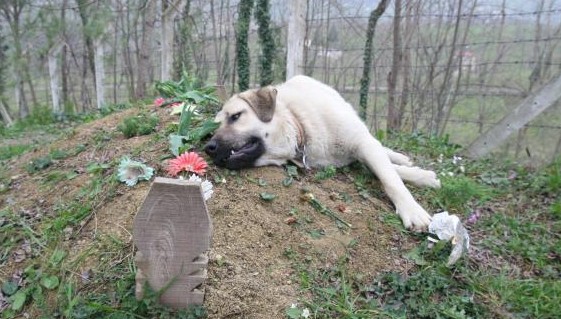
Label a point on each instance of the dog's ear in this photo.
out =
(262, 101)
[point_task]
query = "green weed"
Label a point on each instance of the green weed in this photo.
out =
(138, 125)
(458, 192)
(9, 151)
(526, 298)
(326, 173)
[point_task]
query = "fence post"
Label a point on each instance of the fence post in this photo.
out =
(295, 38)
(526, 111)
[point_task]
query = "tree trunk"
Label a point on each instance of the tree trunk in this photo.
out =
(167, 28)
(393, 113)
(242, 47)
(183, 44)
(267, 42)
(145, 49)
(54, 77)
(368, 47)
(444, 91)
(295, 59)
(4, 114)
(89, 53)
(99, 73)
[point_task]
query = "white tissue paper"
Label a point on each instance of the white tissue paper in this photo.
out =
(449, 227)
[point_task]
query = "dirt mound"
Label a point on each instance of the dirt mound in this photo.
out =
(251, 273)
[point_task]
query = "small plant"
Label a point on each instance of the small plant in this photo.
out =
(326, 173)
(458, 191)
(39, 163)
(187, 98)
(9, 151)
(138, 125)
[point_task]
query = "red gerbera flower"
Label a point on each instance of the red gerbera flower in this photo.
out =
(187, 162)
(159, 101)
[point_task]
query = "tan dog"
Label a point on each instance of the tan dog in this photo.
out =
(307, 122)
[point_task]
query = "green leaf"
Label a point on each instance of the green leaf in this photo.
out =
(185, 120)
(287, 181)
(292, 170)
(71, 175)
(176, 142)
(19, 300)
(267, 196)
(50, 282)
(293, 313)
(202, 130)
(316, 233)
(57, 256)
(9, 288)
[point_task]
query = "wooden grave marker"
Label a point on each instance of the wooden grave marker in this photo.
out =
(172, 232)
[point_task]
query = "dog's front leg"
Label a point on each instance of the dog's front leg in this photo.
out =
(373, 154)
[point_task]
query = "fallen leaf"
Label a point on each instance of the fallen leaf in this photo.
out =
(290, 220)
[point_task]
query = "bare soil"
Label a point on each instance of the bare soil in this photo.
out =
(251, 274)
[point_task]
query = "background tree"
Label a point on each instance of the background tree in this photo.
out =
(181, 58)
(4, 113)
(267, 58)
(365, 80)
(243, 59)
(12, 11)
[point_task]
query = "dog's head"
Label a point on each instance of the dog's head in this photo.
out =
(244, 122)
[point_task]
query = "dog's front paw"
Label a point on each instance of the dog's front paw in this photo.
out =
(414, 217)
(431, 180)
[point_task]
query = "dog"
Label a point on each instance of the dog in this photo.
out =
(309, 123)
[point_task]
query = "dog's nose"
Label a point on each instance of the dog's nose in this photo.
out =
(210, 147)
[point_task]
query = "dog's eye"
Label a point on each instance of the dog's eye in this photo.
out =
(235, 117)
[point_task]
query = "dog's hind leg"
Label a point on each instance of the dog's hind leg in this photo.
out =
(398, 158)
(417, 176)
(371, 152)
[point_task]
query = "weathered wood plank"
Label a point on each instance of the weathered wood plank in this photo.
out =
(526, 111)
(172, 232)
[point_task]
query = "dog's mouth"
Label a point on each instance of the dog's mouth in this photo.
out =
(235, 157)
(247, 149)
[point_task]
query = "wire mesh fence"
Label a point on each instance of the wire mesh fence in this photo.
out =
(459, 65)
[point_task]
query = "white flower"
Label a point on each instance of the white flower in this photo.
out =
(130, 172)
(206, 186)
(306, 313)
(456, 159)
(440, 158)
(292, 306)
(462, 169)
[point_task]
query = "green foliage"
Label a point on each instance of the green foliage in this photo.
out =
(526, 298)
(267, 42)
(458, 192)
(39, 163)
(9, 151)
(192, 129)
(516, 238)
(188, 89)
(138, 125)
(39, 116)
(242, 47)
(121, 303)
(326, 173)
(431, 146)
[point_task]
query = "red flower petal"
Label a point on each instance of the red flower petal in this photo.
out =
(159, 101)
(187, 162)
